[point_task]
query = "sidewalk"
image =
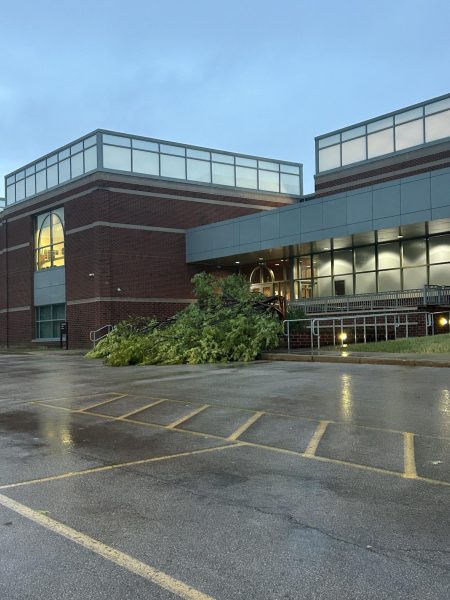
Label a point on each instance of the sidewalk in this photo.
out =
(363, 358)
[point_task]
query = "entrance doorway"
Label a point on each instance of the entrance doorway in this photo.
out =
(262, 280)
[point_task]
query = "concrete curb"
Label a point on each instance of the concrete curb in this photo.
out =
(358, 360)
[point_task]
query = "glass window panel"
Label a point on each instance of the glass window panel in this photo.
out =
(436, 106)
(289, 184)
(203, 154)
(60, 213)
(145, 162)
(380, 124)
(389, 255)
(343, 285)
(269, 166)
(64, 170)
(304, 267)
(354, 151)
(11, 193)
(45, 329)
(414, 253)
(20, 190)
(380, 143)
(323, 286)
(56, 328)
(40, 165)
(30, 170)
(169, 149)
(41, 181)
(269, 181)
(353, 133)
(59, 311)
(223, 174)
(437, 126)
(44, 231)
(30, 183)
(58, 255)
(20, 175)
(116, 140)
(439, 248)
(322, 264)
(51, 160)
(409, 134)
(409, 115)
(64, 154)
(77, 164)
(117, 158)
(440, 274)
(44, 313)
(330, 158)
(246, 162)
(294, 169)
(365, 283)
(57, 229)
(329, 141)
(44, 258)
(146, 145)
(173, 166)
(199, 170)
(414, 278)
(343, 262)
(365, 258)
(52, 176)
(90, 159)
(10, 180)
(389, 281)
(90, 141)
(224, 158)
(246, 178)
(76, 148)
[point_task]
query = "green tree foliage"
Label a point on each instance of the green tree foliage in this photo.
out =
(227, 323)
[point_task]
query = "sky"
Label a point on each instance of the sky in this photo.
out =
(253, 76)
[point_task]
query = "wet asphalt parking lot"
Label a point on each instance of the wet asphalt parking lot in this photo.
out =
(256, 482)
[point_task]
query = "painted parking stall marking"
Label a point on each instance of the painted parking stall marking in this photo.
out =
(369, 448)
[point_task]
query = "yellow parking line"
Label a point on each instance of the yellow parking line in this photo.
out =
(138, 410)
(315, 440)
(91, 406)
(262, 446)
(187, 417)
(275, 414)
(116, 466)
(409, 458)
(240, 430)
(159, 578)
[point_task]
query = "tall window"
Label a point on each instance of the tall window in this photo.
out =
(49, 240)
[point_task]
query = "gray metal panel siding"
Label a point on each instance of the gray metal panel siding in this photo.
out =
(405, 201)
(50, 286)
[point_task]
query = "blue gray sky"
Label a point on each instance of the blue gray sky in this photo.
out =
(254, 76)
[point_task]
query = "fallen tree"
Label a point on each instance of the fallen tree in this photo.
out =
(227, 323)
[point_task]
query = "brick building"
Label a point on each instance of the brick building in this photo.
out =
(113, 225)
(95, 231)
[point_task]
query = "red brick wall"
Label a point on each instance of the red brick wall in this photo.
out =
(126, 263)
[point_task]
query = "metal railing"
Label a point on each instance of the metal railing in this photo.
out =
(358, 324)
(98, 334)
(428, 295)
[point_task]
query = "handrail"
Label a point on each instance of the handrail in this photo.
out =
(96, 338)
(429, 294)
(365, 321)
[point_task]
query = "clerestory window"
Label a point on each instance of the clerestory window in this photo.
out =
(49, 240)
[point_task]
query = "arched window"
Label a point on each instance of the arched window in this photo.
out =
(49, 240)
